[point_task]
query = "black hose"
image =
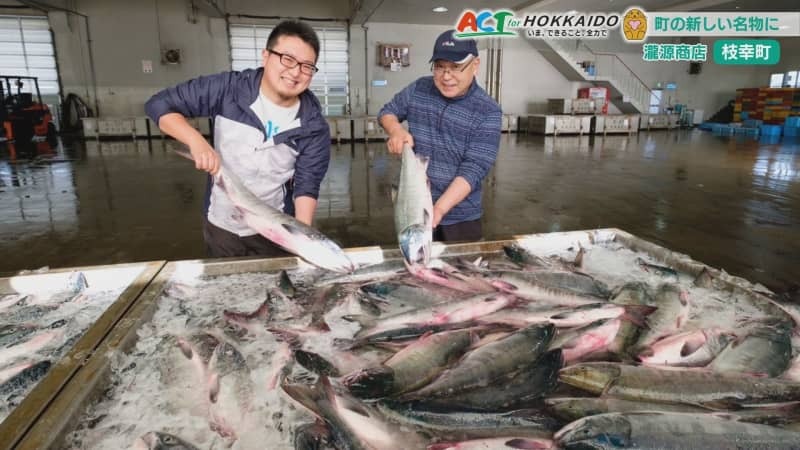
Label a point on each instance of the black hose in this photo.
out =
(74, 110)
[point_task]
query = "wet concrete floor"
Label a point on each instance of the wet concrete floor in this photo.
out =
(730, 203)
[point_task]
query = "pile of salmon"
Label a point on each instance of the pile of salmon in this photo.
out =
(510, 351)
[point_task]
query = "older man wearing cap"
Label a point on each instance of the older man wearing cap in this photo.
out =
(456, 124)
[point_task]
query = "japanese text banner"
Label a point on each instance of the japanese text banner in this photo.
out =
(723, 23)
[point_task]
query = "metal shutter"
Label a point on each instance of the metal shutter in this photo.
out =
(330, 84)
(26, 49)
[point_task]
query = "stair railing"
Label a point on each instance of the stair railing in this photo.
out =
(603, 66)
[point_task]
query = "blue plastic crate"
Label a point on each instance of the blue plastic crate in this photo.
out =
(770, 130)
(793, 121)
(752, 123)
(724, 130)
(707, 126)
(791, 131)
(771, 139)
(744, 115)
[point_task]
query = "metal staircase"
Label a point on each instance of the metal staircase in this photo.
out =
(576, 61)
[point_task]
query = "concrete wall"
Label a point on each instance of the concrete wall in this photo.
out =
(528, 80)
(126, 33)
(419, 37)
(709, 90)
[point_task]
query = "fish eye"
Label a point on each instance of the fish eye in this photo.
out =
(169, 439)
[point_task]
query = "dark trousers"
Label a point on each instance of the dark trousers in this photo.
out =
(462, 231)
(222, 243)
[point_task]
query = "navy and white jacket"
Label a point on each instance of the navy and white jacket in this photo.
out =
(300, 152)
(460, 136)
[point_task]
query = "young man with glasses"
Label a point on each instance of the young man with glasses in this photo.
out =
(457, 125)
(269, 129)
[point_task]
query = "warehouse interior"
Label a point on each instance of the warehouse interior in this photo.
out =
(700, 158)
(43, 228)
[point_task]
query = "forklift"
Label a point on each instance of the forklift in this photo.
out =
(23, 119)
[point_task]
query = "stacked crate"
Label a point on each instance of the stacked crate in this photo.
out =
(772, 105)
(746, 102)
(791, 127)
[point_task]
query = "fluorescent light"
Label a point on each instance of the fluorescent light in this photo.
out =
(440, 9)
(571, 12)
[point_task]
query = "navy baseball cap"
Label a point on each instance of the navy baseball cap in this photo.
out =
(450, 48)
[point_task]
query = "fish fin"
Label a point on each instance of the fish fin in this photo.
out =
(361, 319)
(185, 348)
(703, 279)
(727, 416)
(527, 444)
(306, 395)
(213, 387)
(425, 335)
(572, 343)
(474, 337)
(636, 314)
(263, 313)
(424, 160)
(394, 193)
(320, 324)
(290, 337)
(443, 446)
(316, 363)
(503, 286)
(647, 352)
(285, 279)
(426, 219)
(721, 404)
(578, 261)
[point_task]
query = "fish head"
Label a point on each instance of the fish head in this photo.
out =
(156, 440)
(515, 253)
(541, 332)
(312, 436)
(595, 433)
(326, 253)
(572, 407)
(594, 377)
(415, 244)
(374, 382)
(633, 293)
(378, 289)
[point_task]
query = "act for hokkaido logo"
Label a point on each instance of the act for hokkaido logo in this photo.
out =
(549, 25)
(485, 23)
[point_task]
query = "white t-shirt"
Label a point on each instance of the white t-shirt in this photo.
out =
(274, 118)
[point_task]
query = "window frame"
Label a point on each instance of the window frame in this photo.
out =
(37, 52)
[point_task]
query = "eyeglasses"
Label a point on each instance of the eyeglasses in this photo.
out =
(458, 68)
(290, 62)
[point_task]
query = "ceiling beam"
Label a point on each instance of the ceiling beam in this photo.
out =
(694, 5)
(364, 10)
(533, 4)
(211, 8)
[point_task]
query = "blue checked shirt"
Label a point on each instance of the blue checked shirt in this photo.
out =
(460, 136)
